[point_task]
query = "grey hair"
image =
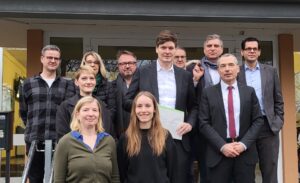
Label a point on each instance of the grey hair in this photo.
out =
(227, 55)
(50, 47)
(211, 37)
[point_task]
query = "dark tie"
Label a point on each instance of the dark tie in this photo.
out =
(232, 132)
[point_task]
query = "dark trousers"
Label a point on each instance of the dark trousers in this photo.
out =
(183, 164)
(36, 171)
(199, 144)
(267, 146)
(230, 170)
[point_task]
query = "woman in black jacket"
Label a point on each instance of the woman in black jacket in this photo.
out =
(85, 80)
(103, 89)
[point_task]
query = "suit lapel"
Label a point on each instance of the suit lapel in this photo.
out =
(153, 80)
(220, 100)
(242, 98)
(241, 76)
(263, 77)
(178, 80)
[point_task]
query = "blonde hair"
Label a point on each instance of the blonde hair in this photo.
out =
(84, 69)
(75, 123)
(157, 134)
(102, 69)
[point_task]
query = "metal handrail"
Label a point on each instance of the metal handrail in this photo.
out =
(29, 160)
(48, 167)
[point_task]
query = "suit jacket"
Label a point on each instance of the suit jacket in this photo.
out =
(122, 116)
(146, 80)
(213, 125)
(271, 92)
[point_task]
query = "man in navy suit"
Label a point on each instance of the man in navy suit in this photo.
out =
(173, 87)
(230, 119)
(264, 79)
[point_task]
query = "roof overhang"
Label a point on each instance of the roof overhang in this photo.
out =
(213, 11)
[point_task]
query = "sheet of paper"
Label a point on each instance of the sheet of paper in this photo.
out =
(170, 119)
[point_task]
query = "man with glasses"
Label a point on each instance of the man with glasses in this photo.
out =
(264, 79)
(127, 67)
(180, 57)
(40, 97)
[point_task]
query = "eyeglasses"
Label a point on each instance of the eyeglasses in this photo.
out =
(89, 62)
(251, 49)
(126, 63)
(52, 58)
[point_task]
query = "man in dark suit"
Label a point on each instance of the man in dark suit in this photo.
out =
(264, 79)
(213, 49)
(173, 87)
(127, 67)
(230, 119)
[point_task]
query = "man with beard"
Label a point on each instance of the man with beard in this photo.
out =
(127, 67)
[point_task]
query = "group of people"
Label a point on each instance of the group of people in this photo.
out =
(112, 131)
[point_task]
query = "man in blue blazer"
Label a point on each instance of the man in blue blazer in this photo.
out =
(173, 87)
(230, 119)
(264, 79)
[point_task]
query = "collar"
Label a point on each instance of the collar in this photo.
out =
(77, 135)
(257, 67)
(210, 64)
(159, 68)
(224, 85)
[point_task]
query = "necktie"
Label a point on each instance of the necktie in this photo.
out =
(232, 132)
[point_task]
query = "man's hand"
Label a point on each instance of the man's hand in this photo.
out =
(229, 150)
(183, 128)
(239, 147)
(198, 72)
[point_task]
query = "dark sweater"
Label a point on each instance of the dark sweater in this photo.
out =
(147, 167)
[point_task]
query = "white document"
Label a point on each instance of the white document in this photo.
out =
(170, 119)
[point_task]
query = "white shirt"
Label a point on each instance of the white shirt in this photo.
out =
(236, 105)
(166, 86)
(214, 75)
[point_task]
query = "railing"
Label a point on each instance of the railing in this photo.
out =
(48, 167)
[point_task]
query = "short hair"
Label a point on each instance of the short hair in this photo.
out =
(50, 47)
(102, 69)
(180, 48)
(84, 69)
(250, 39)
(125, 52)
(211, 37)
(227, 55)
(75, 123)
(165, 36)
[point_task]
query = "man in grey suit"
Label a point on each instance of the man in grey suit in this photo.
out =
(172, 87)
(264, 79)
(230, 119)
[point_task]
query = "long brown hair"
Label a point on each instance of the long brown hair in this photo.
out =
(157, 134)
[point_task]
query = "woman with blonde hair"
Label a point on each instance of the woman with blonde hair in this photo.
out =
(87, 153)
(85, 80)
(103, 89)
(146, 152)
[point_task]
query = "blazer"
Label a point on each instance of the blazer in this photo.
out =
(146, 80)
(212, 123)
(271, 92)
